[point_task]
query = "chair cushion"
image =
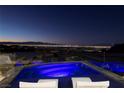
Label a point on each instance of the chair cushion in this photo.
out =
(83, 79)
(50, 84)
(47, 80)
(101, 84)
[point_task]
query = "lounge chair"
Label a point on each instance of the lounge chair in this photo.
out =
(42, 83)
(84, 79)
(86, 82)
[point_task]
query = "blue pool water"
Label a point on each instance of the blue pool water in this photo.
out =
(117, 67)
(62, 71)
(56, 70)
(18, 63)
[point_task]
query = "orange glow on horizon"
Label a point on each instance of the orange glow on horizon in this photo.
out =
(12, 41)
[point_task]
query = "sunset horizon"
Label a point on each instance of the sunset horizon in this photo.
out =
(62, 24)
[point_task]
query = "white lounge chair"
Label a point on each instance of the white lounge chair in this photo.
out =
(85, 82)
(42, 83)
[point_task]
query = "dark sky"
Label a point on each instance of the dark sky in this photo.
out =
(62, 24)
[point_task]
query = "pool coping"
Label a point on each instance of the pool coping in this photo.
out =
(108, 73)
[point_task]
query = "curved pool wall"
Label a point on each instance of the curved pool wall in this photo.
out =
(116, 67)
(63, 71)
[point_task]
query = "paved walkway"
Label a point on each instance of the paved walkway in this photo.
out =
(10, 75)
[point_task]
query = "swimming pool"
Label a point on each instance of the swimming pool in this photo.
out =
(63, 71)
(116, 67)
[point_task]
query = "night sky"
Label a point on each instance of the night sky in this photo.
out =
(63, 24)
